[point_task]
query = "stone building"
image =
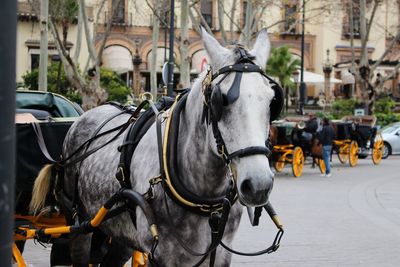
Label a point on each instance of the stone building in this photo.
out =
(129, 43)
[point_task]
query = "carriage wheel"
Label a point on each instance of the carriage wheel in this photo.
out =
(353, 153)
(298, 161)
(280, 164)
(321, 165)
(343, 154)
(378, 150)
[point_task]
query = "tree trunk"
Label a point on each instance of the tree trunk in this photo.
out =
(184, 45)
(153, 60)
(44, 15)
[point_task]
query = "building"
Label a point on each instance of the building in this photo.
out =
(129, 36)
(28, 40)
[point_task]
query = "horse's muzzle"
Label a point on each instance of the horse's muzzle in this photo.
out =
(255, 192)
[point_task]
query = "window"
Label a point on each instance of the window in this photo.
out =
(356, 19)
(206, 8)
(289, 25)
(35, 59)
(118, 9)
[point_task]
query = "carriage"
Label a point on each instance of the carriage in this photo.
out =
(357, 137)
(292, 146)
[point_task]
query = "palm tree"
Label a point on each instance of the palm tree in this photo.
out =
(282, 65)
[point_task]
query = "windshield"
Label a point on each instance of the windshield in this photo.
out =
(391, 128)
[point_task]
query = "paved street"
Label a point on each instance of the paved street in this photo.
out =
(350, 219)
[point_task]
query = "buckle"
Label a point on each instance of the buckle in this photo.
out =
(155, 180)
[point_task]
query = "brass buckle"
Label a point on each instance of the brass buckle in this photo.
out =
(155, 180)
(207, 80)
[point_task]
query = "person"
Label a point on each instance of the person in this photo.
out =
(326, 136)
(311, 125)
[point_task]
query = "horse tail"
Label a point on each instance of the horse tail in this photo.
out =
(41, 189)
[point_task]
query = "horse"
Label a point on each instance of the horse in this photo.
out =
(201, 161)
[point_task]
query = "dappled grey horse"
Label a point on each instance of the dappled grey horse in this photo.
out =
(201, 158)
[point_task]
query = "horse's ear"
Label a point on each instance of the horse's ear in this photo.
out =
(261, 48)
(217, 52)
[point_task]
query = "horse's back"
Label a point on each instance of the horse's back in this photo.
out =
(95, 172)
(84, 128)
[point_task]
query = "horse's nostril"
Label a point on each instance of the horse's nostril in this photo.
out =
(246, 187)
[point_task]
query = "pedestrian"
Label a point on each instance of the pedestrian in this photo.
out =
(326, 136)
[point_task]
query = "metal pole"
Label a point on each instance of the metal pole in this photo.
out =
(8, 22)
(303, 86)
(170, 89)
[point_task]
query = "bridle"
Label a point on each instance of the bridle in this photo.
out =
(215, 100)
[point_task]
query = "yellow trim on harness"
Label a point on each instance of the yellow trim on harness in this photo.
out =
(165, 161)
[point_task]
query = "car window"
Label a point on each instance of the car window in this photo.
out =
(57, 106)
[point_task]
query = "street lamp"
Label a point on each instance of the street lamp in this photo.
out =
(327, 69)
(136, 61)
(296, 79)
(303, 86)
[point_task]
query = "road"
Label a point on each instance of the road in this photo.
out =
(349, 219)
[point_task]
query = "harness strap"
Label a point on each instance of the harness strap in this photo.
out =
(249, 151)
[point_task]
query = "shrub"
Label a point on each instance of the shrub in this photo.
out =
(58, 83)
(384, 111)
(343, 107)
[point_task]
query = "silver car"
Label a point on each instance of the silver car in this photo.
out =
(391, 137)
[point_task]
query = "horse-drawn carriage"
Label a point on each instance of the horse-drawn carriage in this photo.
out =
(170, 182)
(292, 144)
(357, 137)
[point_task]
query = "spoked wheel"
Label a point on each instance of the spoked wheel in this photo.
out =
(280, 164)
(321, 165)
(343, 154)
(378, 150)
(353, 153)
(298, 161)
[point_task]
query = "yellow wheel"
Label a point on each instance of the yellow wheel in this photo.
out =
(378, 150)
(353, 153)
(343, 154)
(280, 164)
(298, 161)
(321, 165)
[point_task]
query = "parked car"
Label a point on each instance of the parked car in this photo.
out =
(43, 105)
(391, 137)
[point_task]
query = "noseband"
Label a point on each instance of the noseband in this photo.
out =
(215, 100)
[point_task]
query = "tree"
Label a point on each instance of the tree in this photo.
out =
(364, 72)
(63, 13)
(184, 45)
(282, 64)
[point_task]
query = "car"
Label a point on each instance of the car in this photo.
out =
(43, 105)
(391, 137)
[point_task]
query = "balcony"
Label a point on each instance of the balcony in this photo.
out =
(122, 21)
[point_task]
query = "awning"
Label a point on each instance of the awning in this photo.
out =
(347, 77)
(117, 58)
(315, 78)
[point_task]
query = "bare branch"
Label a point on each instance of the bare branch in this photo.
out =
(203, 21)
(195, 23)
(387, 51)
(155, 13)
(221, 21)
(70, 68)
(79, 34)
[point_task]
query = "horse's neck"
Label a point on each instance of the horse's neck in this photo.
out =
(201, 170)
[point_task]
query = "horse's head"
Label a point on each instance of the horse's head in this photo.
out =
(240, 101)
